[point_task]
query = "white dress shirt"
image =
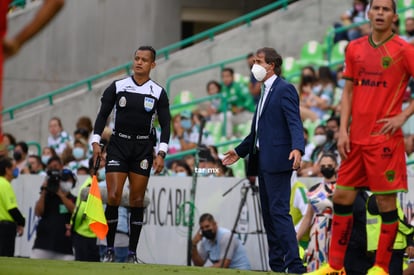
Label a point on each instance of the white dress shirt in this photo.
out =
(267, 87)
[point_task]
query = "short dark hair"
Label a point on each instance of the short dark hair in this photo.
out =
(213, 82)
(11, 138)
(182, 163)
(148, 48)
(228, 69)
(54, 158)
(83, 132)
(272, 56)
(328, 154)
(23, 145)
(336, 119)
(394, 5)
(37, 158)
(59, 121)
(5, 162)
(206, 217)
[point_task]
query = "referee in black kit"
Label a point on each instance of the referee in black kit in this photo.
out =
(138, 101)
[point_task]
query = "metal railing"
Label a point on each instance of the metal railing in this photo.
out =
(209, 34)
(17, 3)
(220, 64)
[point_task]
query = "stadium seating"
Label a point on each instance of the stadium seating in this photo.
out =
(243, 130)
(291, 67)
(338, 51)
(216, 130)
(405, 3)
(312, 54)
(182, 97)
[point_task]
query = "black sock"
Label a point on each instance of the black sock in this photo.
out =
(111, 214)
(135, 226)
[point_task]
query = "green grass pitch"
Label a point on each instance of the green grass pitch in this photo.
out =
(24, 266)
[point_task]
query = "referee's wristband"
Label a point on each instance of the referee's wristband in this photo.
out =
(162, 154)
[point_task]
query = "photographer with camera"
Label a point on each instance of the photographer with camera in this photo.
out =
(210, 242)
(55, 207)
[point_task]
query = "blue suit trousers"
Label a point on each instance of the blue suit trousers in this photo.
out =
(274, 190)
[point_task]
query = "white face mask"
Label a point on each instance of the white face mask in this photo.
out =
(259, 72)
(78, 153)
(66, 186)
(181, 174)
(319, 139)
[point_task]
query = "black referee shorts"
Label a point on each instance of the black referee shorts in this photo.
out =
(130, 155)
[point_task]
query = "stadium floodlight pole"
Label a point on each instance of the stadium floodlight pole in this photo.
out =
(193, 193)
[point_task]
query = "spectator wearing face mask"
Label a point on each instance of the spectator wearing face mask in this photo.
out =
(79, 153)
(210, 243)
(20, 155)
(187, 130)
(308, 160)
(180, 168)
(47, 153)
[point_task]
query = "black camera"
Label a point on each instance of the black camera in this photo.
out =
(54, 177)
(53, 180)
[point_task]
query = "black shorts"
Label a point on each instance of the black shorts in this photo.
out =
(7, 238)
(130, 155)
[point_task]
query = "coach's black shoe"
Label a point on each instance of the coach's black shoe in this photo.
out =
(132, 258)
(109, 256)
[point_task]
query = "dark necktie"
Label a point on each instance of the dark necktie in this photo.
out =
(258, 113)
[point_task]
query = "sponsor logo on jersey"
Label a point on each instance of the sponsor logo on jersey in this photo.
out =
(113, 162)
(386, 62)
(364, 72)
(129, 88)
(149, 104)
(122, 101)
(144, 164)
(370, 83)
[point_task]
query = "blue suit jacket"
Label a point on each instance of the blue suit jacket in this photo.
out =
(280, 130)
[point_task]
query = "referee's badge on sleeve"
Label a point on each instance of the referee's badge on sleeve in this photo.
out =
(148, 104)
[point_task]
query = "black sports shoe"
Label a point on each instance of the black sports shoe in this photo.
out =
(109, 256)
(132, 259)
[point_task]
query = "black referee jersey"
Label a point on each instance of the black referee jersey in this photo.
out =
(135, 108)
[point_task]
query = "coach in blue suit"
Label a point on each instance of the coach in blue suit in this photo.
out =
(275, 146)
